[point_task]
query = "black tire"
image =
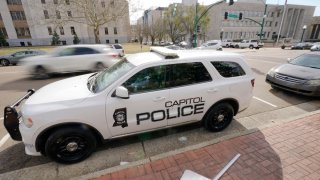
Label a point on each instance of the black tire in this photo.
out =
(283, 47)
(219, 117)
(40, 73)
(251, 47)
(257, 48)
(227, 46)
(236, 46)
(70, 145)
(4, 62)
(99, 67)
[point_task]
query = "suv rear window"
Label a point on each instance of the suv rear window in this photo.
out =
(228, 69)
(117, 46)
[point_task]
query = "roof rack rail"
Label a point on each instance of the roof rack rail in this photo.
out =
(167, 53)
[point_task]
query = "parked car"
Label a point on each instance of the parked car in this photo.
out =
(315, 47)
(14, 58)
(118, 48)
(212, 44)
(174, 47)
(72, 58)
(301, 75)
(301, 46)
(234, 42)
(226, 43)
(252, 43)
(143, 92)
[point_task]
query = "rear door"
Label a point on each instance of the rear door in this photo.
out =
(191, 92)
(85, 58)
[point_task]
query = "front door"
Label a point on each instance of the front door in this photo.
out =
(144, 109)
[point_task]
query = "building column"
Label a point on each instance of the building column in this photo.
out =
(290, 22)
(296, 23)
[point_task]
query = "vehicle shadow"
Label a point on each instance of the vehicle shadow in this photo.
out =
(26, 83)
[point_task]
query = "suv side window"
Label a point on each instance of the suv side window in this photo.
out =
(187, 74)
(228, 69)
(149, 79)
(117, 46)
(84, 50)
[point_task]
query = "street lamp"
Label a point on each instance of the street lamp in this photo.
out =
(304, 29)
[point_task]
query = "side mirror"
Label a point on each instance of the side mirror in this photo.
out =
(122, 92)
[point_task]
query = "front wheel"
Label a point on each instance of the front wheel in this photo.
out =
(4, 62)
(219, 117)
(40, 73)
(70, 145)
(251, 46)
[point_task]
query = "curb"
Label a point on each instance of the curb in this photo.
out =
(193, 147)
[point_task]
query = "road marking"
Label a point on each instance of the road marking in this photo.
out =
(264, 101)
(1, 118)
(4, 140)
(263, 61)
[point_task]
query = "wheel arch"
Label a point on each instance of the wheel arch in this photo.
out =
(233, 102)
(44, 135)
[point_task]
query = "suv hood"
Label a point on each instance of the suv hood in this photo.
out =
(65, 92)
(298, 71)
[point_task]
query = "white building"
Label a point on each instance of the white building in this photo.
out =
(32, 22)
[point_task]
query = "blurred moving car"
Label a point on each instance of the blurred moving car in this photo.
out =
(17, 56)
(74, 58)
(226, 43)
(315, 47)
(175, 47)
(212, 44)
(305, 45)
(301, 75)
(118, 48)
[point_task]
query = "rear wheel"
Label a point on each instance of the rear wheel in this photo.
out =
(70, 145)
(236, 46)
(219, 117)
(40, 73)
(4, 62)
(251, 46)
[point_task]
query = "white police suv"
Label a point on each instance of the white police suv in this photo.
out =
(143, 92)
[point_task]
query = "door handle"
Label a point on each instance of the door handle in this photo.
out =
(159, 99)
(212, 90)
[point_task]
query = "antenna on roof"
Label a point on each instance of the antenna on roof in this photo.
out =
(167, 53)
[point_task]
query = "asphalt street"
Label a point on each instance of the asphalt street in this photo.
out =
(14, 82)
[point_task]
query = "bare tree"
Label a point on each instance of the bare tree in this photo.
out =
(173, 24)
(93, 13)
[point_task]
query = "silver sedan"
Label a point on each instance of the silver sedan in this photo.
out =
(301, 75)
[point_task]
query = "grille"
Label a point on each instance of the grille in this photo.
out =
(289, 79)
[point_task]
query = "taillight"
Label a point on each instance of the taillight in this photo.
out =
(114, 55)
(252, 82)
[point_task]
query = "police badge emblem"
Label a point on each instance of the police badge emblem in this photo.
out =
(120, 117)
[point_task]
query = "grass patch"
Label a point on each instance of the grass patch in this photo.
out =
(129, 48)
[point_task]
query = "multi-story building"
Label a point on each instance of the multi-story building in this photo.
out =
(314, 29)
(33, 22)
(295, 17)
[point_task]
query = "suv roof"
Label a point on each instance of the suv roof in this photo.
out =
(161, 53)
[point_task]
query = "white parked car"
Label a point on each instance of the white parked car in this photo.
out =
(252, 43)
(226, 43)
(74, 58)
(212, 44)
(143, 92)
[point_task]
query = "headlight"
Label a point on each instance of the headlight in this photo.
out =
(313, 82)
(28, 122)
(271, 73)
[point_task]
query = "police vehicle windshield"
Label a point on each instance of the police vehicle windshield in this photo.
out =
(108, 76)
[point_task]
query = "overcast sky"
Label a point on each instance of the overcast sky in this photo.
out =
(146, 4)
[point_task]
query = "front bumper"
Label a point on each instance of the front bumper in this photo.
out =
(292, 87)
(12, 116)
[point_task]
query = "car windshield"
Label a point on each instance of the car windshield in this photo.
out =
(108, 76)
(307, 60)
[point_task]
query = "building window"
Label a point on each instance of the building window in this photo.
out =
(61, 30)
(43, 1)
(0, 17)
(278, 14)
(4, 31)
(107, 41)
(50, 30)
(116, 41)
(55, 1)
(14, 2)
(272, 14)
(68, 2)
(69, 14)
(115, 30)
(46, 14)
(23, 32)
(106, 31)
(58, 14)
(268, 34)
(103, 4)
(73, 31)
(275, 24)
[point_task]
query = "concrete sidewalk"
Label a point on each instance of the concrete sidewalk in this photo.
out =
(290, 150)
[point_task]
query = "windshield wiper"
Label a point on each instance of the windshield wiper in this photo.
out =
(92, 81)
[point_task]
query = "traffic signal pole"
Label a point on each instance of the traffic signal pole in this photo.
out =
(264, 16)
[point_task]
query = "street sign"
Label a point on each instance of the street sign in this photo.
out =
(233, 16)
